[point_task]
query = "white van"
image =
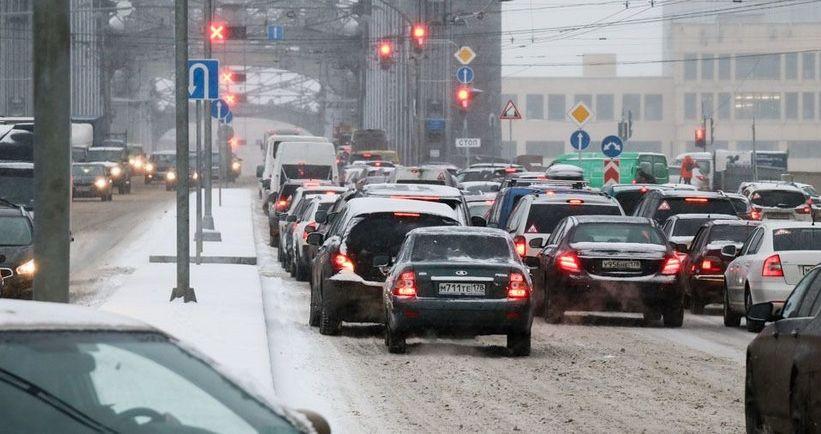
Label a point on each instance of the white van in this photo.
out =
(304, 160)
(272, 147)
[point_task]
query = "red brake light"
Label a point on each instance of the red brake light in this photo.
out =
(756, 214)
(342, 262)
(517, 288)
(406, 214)
(405, 285)
(804, 209)
(575, 201)
(772, 267)
(305, 233)
(569, 262)
(489, 202)
(282, 204)
(521, 245)
(696, 199)
(671, 266)
(643, 190)
(510, 170)
(709, 266)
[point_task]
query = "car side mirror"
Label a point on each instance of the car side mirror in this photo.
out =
(729, 251)
(764, 312)
(321, 217)
(319, 423)
(315, 239)
(260, 171)
(478, 221)
(536, 243)
(291, 218)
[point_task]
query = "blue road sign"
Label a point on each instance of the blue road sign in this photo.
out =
(580, 140)
(275, 33)
(612, 146)
(228, 119)
(435, 125)
(203, 79)
(220, 109)
(465, 75)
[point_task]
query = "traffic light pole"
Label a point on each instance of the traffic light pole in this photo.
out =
(52, 153)
(208, 219)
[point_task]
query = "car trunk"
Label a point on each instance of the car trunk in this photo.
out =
(620, 259)
(796, 263)
(462, 281)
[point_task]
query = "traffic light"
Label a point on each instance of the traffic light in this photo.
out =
(384, 51)
(221, 32)
(701, 138)
(419, 35)
(216, 32)
(231, 77)
(464, 97)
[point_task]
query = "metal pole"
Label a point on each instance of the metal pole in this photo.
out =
(183, 289)
(510, 135)
(755, 156)
(420, 121)
(52, 152)
(713, 147)
(208, 219)
(579, 145)
(465, 134)
(198, 182)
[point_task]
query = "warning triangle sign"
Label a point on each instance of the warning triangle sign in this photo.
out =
(511, 112)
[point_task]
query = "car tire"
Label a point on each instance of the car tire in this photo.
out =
(696, 305)
(121, 190)
(103, 198)
(673, 317)
(752, 326)
(301, 271)
(518, 344)
(328, 322)
(313, 310)
(752, 416)
(396, 342)
(799, 410)
(553, 312)
(650, 316)
(731, 319)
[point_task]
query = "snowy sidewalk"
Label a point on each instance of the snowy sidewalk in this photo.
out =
(227, 322)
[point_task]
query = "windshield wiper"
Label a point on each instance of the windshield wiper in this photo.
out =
(58, 404)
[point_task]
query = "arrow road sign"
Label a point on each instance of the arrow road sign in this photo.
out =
(612, 146)
(510, 112)
(276, 33)
(229, 118)
(220, 109)
(612, 174)
(465, 75)
(580, 140)
(203, 79)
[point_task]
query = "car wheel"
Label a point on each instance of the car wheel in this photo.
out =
(696, 305)
(674, 317)
(102, 198)
(518, 344)
(752, 415)
(396, 342)
(328, 322)
(301, 270)
(121, 190)
(799, 411)
(731, 319)
(553, 312)
(650, 316)
(752, 326)
(313, 312)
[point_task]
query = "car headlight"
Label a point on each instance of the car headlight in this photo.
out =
(131, 161)
(170, 176)
(236, 166)
(26, 269)
(195, 176)
(138, 163)
(100, 183)
(116, 171)
(149, 167)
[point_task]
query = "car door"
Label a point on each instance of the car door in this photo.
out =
(738, 270)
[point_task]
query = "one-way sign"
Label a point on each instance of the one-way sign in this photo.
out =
(203, 79)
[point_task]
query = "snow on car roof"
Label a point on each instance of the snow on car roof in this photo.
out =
(612, 219)
(16, 165)
(373, 205)
(459, 230)
(695, 216)
(35, 315)
(412, 189)
(783, 224)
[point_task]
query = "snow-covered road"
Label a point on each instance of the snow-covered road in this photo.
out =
(604, 374)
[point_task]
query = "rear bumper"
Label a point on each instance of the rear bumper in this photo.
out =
(708, 287)
(354, 301)
(587, 293)
(455, 317)
(773, 289)
(17, 286)
(93, 192)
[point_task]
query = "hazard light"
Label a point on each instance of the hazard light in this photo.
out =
(510, 169)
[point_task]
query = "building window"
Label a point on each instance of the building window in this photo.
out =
(690, 111)
(604, 107)
(653, 107)
(808, 66)
(556, 107)
(758, 105)
(791, 66)
(587, 99)
(725, 101)
(755, 67)
(548, 149)
(707, 66)
(791, 105)
(808, 105)
(706, 108)
(724, 67)
(535, 106)
(690, 66)
(631, 102)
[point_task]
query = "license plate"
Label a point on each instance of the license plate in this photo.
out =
(83, 189)
(806, 268)
(461, 289)
(616, 264)
(778, 216)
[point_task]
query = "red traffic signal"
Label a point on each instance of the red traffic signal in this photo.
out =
(701, 138)
(419, 35)
(464, 96)
(384, 50)
(217, 32)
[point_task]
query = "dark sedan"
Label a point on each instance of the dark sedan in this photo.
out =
(91, 180)
(611, 263)
(783, 368)
(16, 251)
(467, 281)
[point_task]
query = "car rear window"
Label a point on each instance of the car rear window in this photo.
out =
(778, 198)
(688, 227)
(461, 248)
(483, 175)
(306, 171)
(104, 155)
(14, 231)
(671, 206)
(616, 233)
(543, 218)
(733, 233)
(797, 239)
(629, 199)
(478, 209)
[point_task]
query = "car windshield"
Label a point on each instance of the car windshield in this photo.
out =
(461, 248)
(734, 233)
(17, 187)
(479, 209)
(778, 198)
(87, 170)
(616, 233)
(104, 155)
(543, 218)
(15, 231)
(671, 206)
(81, 382)
(165, 158)
(797, 239)
(17, 145)
(688, 227)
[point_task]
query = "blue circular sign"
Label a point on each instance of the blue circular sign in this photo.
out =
(220, 109)
(612, 146)
(580, 140)
(465, 75)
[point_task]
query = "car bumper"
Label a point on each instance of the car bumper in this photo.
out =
(708, 287)
(354, 301)
(17, 286)
(774, 290)
(474, 317)
(93, 192)
(621, 295)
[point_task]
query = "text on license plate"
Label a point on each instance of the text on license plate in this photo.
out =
(83, 188)
(620, 264)
(461, 289)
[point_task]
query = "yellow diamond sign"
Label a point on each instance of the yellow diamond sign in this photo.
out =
(465, 55)
(580, 113)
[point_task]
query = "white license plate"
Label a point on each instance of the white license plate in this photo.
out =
(806, 268)
(461, 289)
(617, 264)
(83, 189)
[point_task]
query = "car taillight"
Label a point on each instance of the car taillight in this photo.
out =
(281, 204)
(342, 262)
(405, 285)
(709, 266)
(569, 262)
(517, 286)
(671, 265)
(521, 245)
(772, 267)
(755, 214)
(806, 208)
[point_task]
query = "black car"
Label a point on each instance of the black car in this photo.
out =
(16, 251)
(17, 183)
(660, 205)
(629, 195)
(172, 175)
(91, 180)
(610, 263)
(704, 265)
(346, 282)
(118, 159)
(159, 164)
(463, 281)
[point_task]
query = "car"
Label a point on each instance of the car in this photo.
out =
(423, 175)
(781, 384)
(92, 180)
(346, 281)
(117, 157)
(487, 173)
(611, 263)
(703, 265)
(457, 281)
(771, 262)
(16, 251)
(479, 205)
(449, 196)
(302, 253)
(479, 187)
(680, 229)
(508, 197)
(71, 369)
(287, 219)
(744, 209)
(535, 217)
(629, 195)
(779, 201)
(162, 162)
(172, 175)
(374, 155)
(136, 159)
(282, 201)
(664, 203)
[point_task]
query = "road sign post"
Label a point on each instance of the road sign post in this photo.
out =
(198, 181)
(207, 219)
